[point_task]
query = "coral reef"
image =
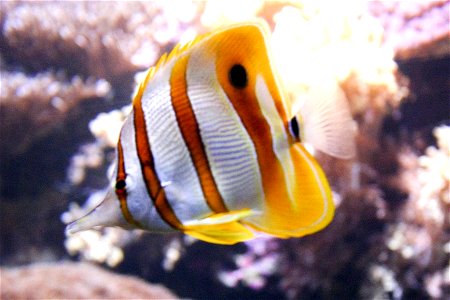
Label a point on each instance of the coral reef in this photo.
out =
(415, 29)
(88, 51)
(260, 261)
(415, 245)
(63, 63)
(37, 104)
(421, 239)
(101, 41)
(67, 280)
(390, 235)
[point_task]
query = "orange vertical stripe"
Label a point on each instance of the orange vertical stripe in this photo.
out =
(191, 134)
(246, 47)
(122, 193)
(272, 175)
(154, 188)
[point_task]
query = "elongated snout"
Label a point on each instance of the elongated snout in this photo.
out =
(106, 214)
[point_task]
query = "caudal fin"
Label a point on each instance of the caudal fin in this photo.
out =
(326, 122)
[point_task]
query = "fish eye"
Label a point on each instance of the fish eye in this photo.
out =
(120, 184)
(238, 76)
(294, 127)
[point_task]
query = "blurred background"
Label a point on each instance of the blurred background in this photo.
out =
(68, 71)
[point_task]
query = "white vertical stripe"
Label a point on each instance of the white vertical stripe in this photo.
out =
(139, 202)
(228, 146)
(278, 133)
(171, 155)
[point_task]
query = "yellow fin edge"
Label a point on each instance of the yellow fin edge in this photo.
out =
(222, 228)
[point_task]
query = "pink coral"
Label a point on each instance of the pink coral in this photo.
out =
(415, 29)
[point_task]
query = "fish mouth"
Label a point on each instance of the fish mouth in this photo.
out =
(105, 214)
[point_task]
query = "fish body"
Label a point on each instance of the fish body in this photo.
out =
(212, 147)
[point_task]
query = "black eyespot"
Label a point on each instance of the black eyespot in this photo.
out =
(120, 184)
(295, 128)
(238, 76)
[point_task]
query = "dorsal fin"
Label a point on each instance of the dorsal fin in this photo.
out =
(166, 57)
(180, 48)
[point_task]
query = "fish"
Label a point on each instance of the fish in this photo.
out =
(214, 148)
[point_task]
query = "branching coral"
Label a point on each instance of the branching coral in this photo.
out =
(415, 29)
(105, 128)
(32, 106)
(102, 40)
(90, 44)
(259, 262)
(414, 257)
(420, 239)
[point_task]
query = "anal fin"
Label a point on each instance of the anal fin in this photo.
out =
(221, 228)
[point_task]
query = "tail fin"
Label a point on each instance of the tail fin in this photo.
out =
(107, 213)
(326, 122)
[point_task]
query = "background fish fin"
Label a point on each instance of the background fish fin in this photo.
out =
(326, 122)
(222, 228)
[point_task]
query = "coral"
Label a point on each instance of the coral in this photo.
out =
(420, 240)
(94, 47)
(30, 107)
(101, 40)
(67, 280)
(331, 263)
(334, 44)
(339, 45)
(389, 237)
(415, 29)
(218, 13)
(105, 128)
(416, 244)
(259, 262)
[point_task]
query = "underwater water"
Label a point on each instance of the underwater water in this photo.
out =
(69, 69)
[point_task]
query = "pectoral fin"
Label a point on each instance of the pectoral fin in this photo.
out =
(222, 228)
(326, 120)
